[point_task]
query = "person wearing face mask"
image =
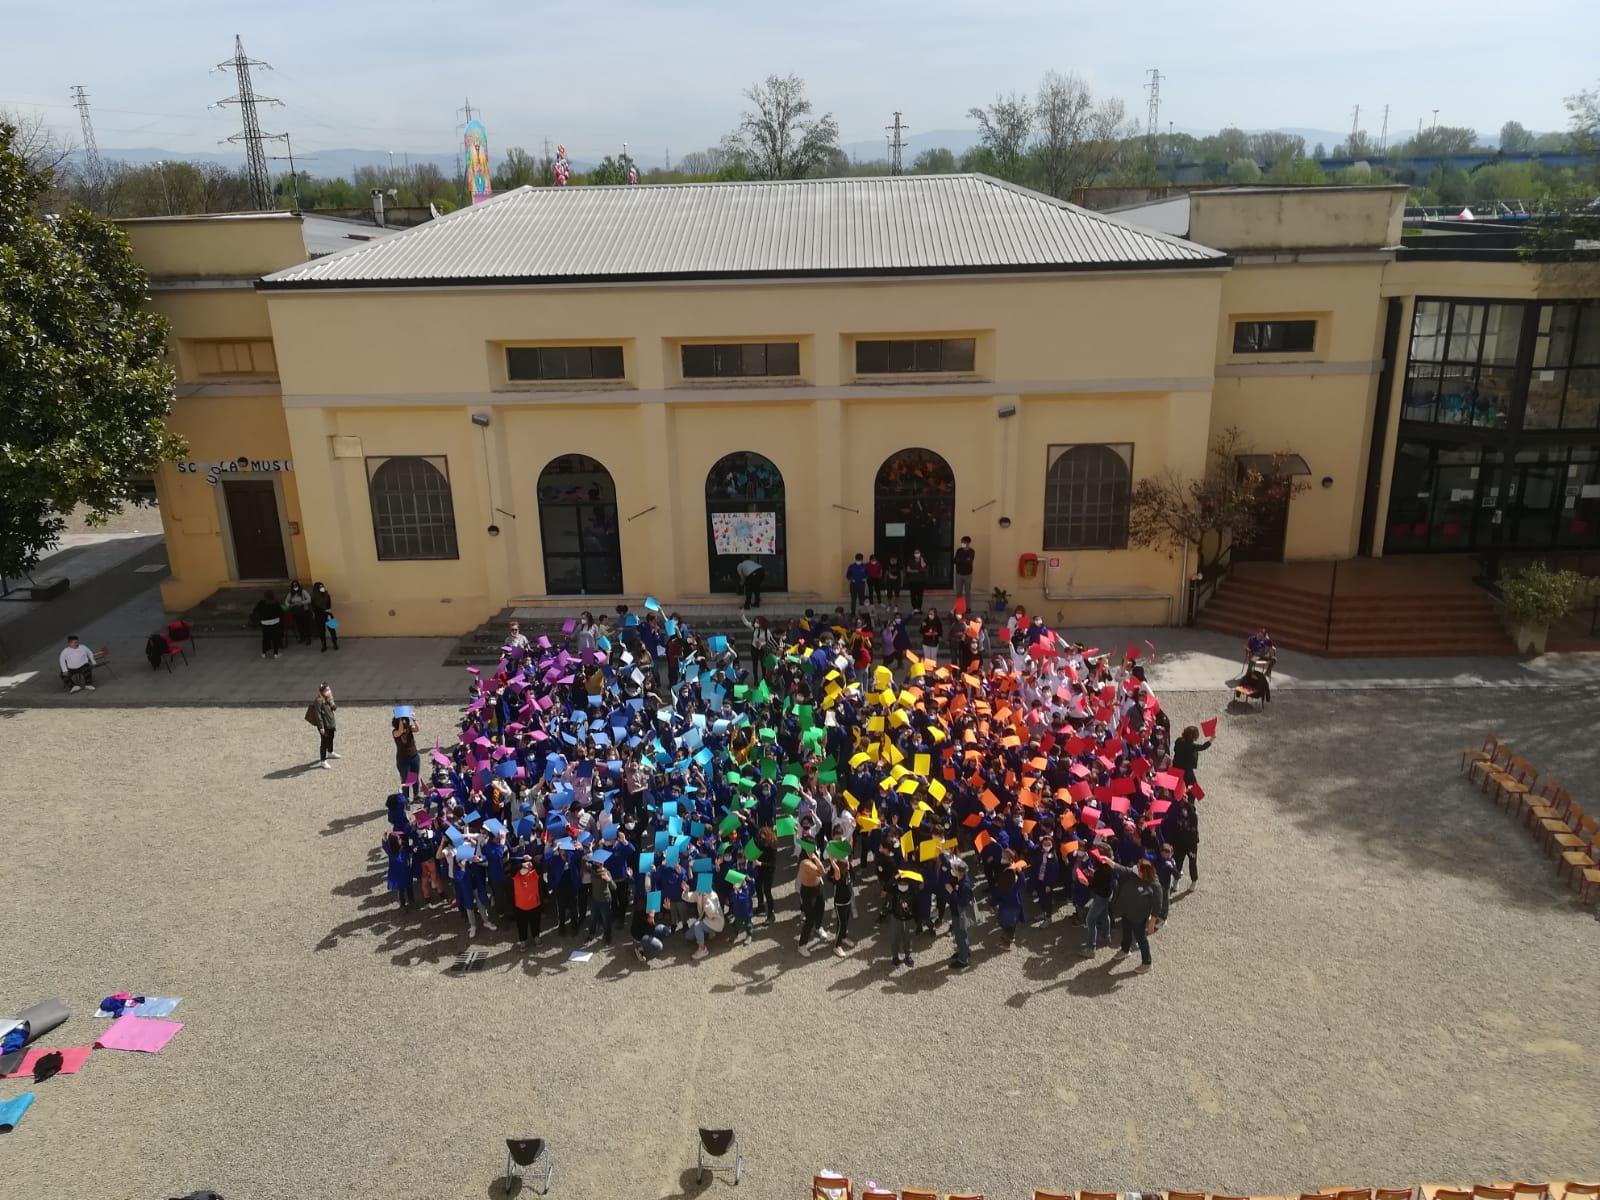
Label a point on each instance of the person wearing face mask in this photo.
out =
(958, 891)
(527, 888)
(903, 917)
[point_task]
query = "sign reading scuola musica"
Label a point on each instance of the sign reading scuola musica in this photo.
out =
(235, 466)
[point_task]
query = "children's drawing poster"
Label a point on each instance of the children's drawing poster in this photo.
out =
(745, 533)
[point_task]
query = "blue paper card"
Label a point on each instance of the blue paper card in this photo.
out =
(494, 826)
(647, 862)
(702, 882)
(652, 902)
(662, 839)
(600, 856)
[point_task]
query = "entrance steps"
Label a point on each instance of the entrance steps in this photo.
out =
(1358, 624)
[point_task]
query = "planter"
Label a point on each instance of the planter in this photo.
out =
(1530, 639)
(999, 606)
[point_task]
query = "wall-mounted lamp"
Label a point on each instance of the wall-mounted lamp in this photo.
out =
(1006, 410)
(1005, 522)
(481, 420)
(494, 531)
(1327, 481)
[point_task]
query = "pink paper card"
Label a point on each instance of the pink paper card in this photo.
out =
(145, 1034)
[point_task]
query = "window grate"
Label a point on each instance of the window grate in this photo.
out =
(413, 516)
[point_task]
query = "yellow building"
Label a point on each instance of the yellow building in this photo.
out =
(613, 392)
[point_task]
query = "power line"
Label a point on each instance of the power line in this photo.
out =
(250, 135)
(896, 143)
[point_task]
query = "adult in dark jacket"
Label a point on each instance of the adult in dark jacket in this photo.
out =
(1181, 829)
(1186, 752)
(322, 613)
(268, 615)
(1138, 900)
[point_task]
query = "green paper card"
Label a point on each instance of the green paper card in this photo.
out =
(736, 877)
(752, 852)
(808, 847)
(769, 768)
(784, 827)
(791, 803)
(805, 715)
(728, 824)
(838, 849)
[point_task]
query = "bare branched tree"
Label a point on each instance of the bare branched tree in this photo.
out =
(776, 138)
(1004, 127)
(1076, 138)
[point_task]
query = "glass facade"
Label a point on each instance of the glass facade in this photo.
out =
(1499, 443)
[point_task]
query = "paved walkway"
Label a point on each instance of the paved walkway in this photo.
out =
(230, 671)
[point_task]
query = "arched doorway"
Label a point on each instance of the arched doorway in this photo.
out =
(745, 519)
(578, 525)
(915, 509)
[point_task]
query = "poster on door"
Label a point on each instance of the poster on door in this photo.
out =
(745, 533)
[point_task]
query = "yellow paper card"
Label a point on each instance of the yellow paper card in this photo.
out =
(906, 844)
(928, 851)
(936, 790)
(922, 764)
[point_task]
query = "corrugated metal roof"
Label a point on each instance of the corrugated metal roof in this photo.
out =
(889, 225)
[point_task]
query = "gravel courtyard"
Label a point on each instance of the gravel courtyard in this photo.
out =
(1378, 981)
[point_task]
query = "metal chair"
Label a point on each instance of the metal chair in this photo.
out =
(715, 1145)
(525, 1154)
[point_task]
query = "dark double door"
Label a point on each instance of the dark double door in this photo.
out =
(256, 529)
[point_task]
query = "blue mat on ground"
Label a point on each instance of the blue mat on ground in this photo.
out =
(11, 1111)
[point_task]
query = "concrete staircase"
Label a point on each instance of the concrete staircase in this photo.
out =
(1366, 625)
(226, 612)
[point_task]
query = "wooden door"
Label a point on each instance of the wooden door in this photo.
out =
(257, 533)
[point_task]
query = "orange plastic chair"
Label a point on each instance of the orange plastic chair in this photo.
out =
(1571, 866)
(1038, 1195)
(963, 1196)
(918, 1194)
(1353, 1194)
(1483, 1191)
(1391, 1193)
(830, 1187)
(1576, 1191)
(1526, 1191)
(1554, 807)
(1099, 1196)
(878, 1194)
(1441, 1191)
(1185, 1196)
(1471, 758)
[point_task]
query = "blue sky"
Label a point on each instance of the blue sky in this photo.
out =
(669, 74)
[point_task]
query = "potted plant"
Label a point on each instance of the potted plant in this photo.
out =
(1001, 598)
(1535, 597)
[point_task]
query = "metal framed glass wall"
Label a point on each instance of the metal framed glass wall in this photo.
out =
(1499, 440)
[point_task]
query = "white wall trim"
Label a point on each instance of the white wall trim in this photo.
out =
(783, 395)
(1296, 369)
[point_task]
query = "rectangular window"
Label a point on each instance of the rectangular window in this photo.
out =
(545, 364)
(742, 360)
(253, 357)
(1562, 390)
(1274, 337)
(1086, 497)
(1463, 354)
(916, 356)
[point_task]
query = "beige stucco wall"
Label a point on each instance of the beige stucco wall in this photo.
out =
(1331, 218)
(243, 245)
(1087, 359)
(1318, 405)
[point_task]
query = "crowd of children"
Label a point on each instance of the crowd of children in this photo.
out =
(643, 781)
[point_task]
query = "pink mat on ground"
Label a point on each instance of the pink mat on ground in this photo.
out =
(138, 1033)
(72, 1057)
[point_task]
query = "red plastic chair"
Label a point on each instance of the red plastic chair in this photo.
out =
(170, 650)
(181, 632)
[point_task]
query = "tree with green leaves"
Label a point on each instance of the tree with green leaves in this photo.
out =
(518, 168)
(1294, 169)
(777, 136)
(611, 170)
(1514, 139)
(1003, 128)
(1244, 170)
(937, 161)
(1074, 138)
(84, 382)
